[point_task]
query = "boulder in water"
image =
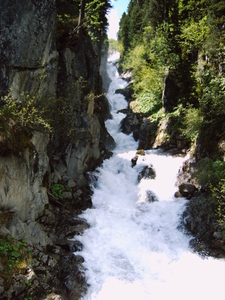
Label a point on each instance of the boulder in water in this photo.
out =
(134, 161)
(147, 173)
(151, 197)
(187, 190)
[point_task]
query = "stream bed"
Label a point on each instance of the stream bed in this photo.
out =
(136, 248)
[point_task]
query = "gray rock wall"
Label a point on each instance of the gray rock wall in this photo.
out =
(21, 189)
(28, 56)
(30, 64)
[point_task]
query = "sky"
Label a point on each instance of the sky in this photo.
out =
(114, 15)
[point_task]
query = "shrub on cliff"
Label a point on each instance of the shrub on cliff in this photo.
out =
(17, 120)
(211, 175)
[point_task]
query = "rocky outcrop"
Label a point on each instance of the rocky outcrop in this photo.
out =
(131, 123)
(53, 268)
(199, 216)
(21, 186)
(199, 219)
(31, 66)
(170, 92)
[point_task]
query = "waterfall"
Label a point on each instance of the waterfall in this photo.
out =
(134, 249)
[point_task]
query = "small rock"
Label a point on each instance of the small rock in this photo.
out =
(79, 259)
(134, 161)
(72, 183)
(218, 244)
(67, 195)
(71, 246)
(177, 194)
(54, 296)
(140, 152)
(66, 178)
(77, 194)
(217, 235)
(52, 262)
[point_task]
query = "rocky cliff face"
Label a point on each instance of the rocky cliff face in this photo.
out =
(28, 48)
(31, 65)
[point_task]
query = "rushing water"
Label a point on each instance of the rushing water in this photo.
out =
(133, 249)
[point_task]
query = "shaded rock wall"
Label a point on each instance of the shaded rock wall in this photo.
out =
(31, 64)
(28, 56)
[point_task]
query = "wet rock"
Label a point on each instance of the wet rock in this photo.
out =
(54, 249)
(198, 246)
(73, 277)
(199, 218)
(71, 246)
(187, 190)
(134, 161)
(147, 173)
(147, 134)
(130, 123)
(151, 197)
(127, 92)
(177, 194)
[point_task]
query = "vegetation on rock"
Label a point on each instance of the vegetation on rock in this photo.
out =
(13, 255)
(176, 52)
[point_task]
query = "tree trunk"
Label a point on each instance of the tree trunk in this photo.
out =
(81, 16)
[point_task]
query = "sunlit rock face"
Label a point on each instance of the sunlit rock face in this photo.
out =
(21, 178)
(28, 47)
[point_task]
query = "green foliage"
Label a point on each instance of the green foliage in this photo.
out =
(67, 17)
(147, 81)
(192, 121)
(194, 35)
(17, 121)
(218, 194)
(212, 101)
(13, 254)
(95, 17)
(185, 39)
(57, 190)
(75, 16)
(124, 32)
(211, 176)
(210, 173)
(114, 46)
(24, 112)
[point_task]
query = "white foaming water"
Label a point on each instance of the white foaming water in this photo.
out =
(133, 249)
